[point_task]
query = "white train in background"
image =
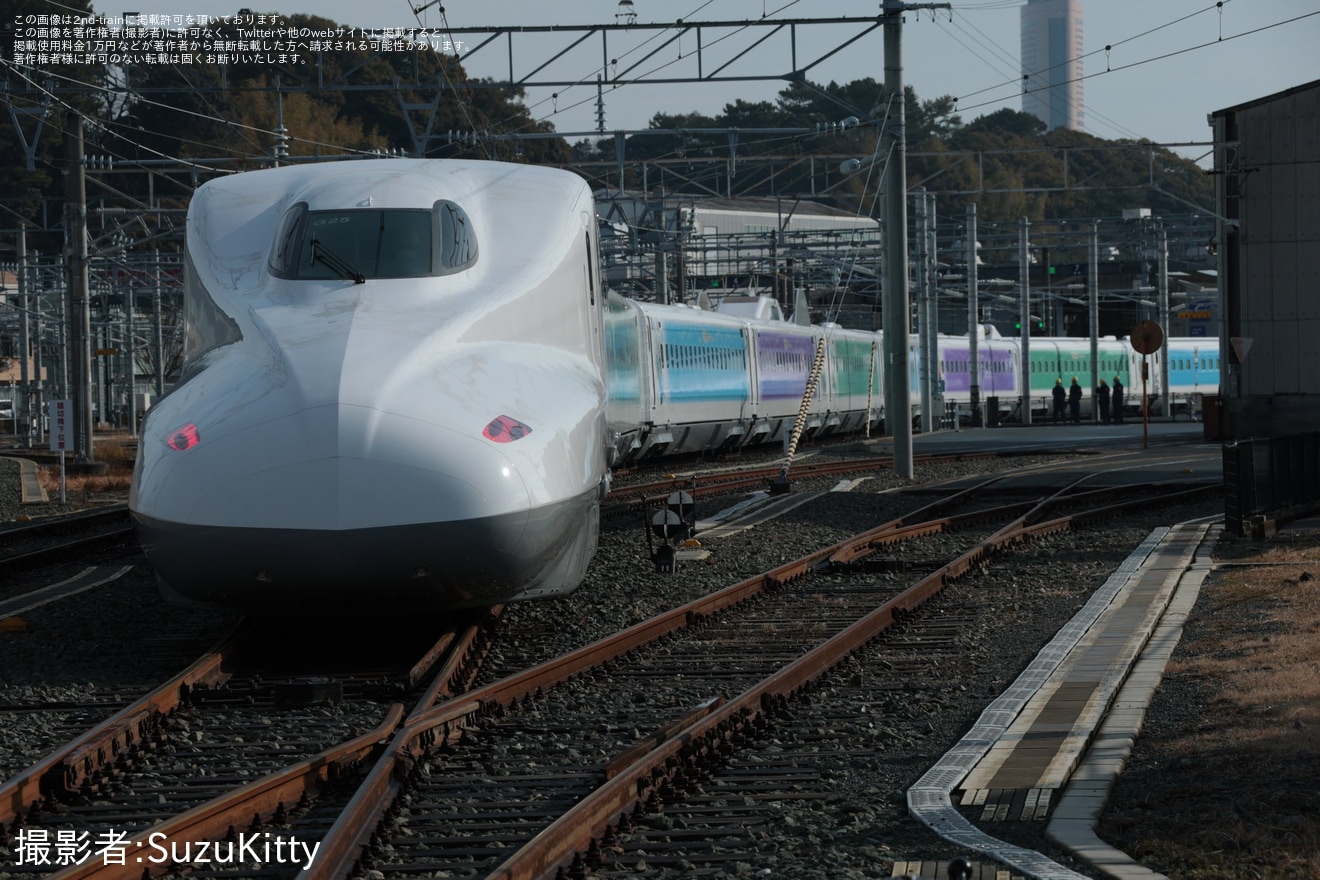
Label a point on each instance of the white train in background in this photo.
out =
(405, 387)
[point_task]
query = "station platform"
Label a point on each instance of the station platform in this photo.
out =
(1050, 747)
(1043, 435)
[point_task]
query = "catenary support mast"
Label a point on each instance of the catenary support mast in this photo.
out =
(79, 316)
(898, 400)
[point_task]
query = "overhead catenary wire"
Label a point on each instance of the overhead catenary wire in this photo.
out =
(1161, 57)
(267, 131)
(588, 79)
(19, 70)
(772, 13)
(353, 151)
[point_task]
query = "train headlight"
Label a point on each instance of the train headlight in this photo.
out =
(183, 438)
(505, 429)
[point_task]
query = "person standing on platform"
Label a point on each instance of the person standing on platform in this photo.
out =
(1060, 398)
(1118, 401)
(1075, 402)
(1102, 401)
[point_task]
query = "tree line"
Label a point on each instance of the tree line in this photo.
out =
(359, 101)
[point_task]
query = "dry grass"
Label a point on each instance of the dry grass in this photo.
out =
(1228, 791)
(115, 451)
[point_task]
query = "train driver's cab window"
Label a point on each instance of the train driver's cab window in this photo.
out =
(284, 255)
(361, 244)
(458, 241)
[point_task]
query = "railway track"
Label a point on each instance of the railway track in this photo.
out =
(254, 728)
(54, 539)
(835, 601)
(635, 496)
(535, 756)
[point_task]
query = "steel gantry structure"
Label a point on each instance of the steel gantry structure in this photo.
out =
(600, 59)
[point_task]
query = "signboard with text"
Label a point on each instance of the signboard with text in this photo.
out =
(61, 425)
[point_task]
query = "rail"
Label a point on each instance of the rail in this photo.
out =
(82, 761)
(711, 730)
(267, 798)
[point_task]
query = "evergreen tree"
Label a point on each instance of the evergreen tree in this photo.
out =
(41, 96)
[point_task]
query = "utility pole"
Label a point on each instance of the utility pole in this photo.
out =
(79, 317)
(158, 320)
(23, 406)
(1024, 271)
(973, 319)
(932, 339)
(130, 358)
(38, 406)
(898, 401)
(1162, 243)
(281, 151)
(1093, 298)
(921, 258)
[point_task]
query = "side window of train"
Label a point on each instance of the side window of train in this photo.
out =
(458, 240)
(284, 253)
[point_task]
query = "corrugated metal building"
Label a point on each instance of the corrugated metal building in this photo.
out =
(1267, 167)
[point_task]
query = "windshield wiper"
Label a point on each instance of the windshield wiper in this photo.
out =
(336, 264)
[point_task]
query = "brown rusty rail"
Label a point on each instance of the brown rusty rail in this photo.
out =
(79, 530)
(265, 797)
(295, 784)
(704, 734)
(347, 839)
(623, 500)
(75, 765)
(564, 845)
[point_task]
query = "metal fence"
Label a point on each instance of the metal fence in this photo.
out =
(1270, 480)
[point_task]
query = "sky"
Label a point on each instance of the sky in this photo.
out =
(1212, 59)
(1156, 82)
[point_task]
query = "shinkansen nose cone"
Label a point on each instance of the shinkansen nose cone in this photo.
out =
(337, 507)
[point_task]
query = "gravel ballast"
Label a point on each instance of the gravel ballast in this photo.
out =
(83, 647)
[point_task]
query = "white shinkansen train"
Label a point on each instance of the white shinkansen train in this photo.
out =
(404, 380)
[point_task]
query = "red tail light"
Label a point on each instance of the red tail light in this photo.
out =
(503, 429)
(184, 438)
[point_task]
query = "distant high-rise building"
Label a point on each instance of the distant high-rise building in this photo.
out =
(1052, 62)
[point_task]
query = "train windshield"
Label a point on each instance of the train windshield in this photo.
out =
(394, 243)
